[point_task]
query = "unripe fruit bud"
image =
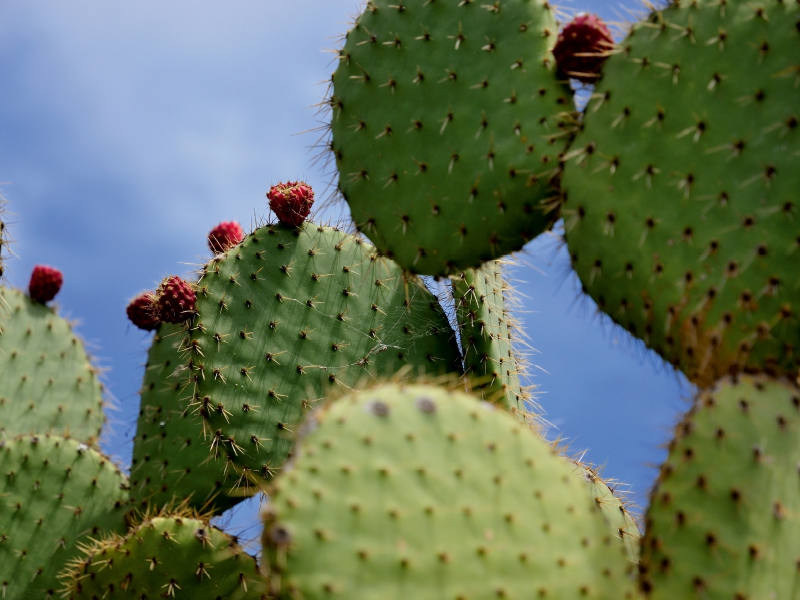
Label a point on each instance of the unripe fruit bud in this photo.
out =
(142, 311)
(583, 47)
(291, 202)
(175, 300)
(45, 283)
(225, 236)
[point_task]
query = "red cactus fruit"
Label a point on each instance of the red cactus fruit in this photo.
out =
(291, 202)
(225, 236)
(45, 283)
(582, 47)
(142, 311)
(175, 300)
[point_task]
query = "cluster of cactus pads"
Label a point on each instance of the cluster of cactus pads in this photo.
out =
(393, 431)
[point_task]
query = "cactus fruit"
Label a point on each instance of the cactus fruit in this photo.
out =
(291, 202)
(56, 494)
(582, 47)
(45, 283)
(447, 129)
(486, 326)
(175, 300)
(179, 556)
(681, 202)
(419, 492)
(724, 519)
(225, 236)
(291, 315)
(48, 383)
(170, 462)
(142, 311)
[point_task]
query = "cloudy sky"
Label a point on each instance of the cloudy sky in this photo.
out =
(129, 129)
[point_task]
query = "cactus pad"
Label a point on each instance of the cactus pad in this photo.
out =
(48, 383)
(486, 326)
(417, 492)
(170, 460)
(681, 209)
(446, 128)
(166, 557)
(56, 494)
(616, 510)
(283, 319)
(724, 520)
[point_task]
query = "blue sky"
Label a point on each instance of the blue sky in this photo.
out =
(128, 130)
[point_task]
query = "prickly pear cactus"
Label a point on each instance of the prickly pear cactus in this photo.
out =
(417, 492)
(724, 519)
(283, 319)
(48, 383)
(56, 494)
(681, 207)
(615, 509)
(446, 128)
(486, 326)
(170, 460)
(179, 556)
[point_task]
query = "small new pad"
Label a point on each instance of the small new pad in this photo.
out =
(486, 326)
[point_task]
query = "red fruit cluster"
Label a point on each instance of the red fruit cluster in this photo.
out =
(175, 300)
(142, 311)
(225, 236)
(291, 202)
(45, 283)
(583, 47)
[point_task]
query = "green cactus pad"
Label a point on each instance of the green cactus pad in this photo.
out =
(616, 510)
(416, 492)
(170, 461)
(166, 557)
(48, 383)
(446, 122)
(55, 494)
(486, 326)
(724, 519)
(283, 319)
(681, 210)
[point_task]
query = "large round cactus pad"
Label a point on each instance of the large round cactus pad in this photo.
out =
(417, 492)
(682, 190)
(447, 130)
